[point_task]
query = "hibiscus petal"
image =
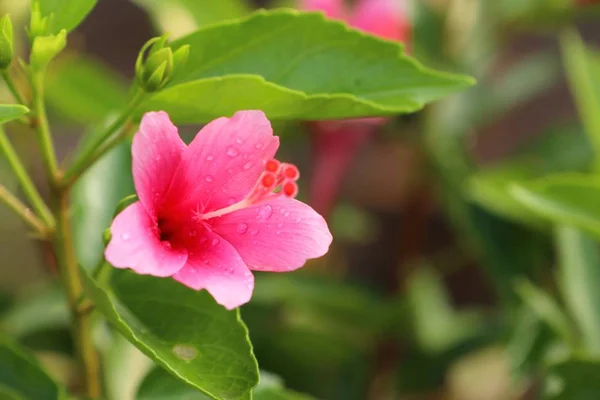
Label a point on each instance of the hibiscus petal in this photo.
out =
(222, 163)
(382, 18)
(331, 8)
(135, 244)
(216, 266)
(279, 235)
(156, 152)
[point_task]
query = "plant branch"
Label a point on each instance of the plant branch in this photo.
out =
(12, 87)
(39, 121)
(69, 271)
(104, 142)
(12, 202)
(25, 181)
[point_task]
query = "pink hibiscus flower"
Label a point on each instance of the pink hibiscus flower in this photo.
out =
(335, 143)
(211, 212)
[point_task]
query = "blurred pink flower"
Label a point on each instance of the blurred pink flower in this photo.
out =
(335, 143)
(208, 213)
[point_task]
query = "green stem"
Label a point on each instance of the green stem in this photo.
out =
(82, 322)
(12, 202)
(103, 143)
(12, 87)
(39, 121)
(24, 179)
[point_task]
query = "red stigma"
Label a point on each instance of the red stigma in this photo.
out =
(268, 180)
(290, 189)
(272, 166)
(291, 172)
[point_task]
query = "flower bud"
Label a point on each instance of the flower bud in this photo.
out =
(45, 48)
(156, 63)
(38, 24)
(6, 42)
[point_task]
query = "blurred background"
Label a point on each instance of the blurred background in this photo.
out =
(416, 299)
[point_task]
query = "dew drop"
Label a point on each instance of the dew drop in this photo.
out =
(167, 244)
(229, 270)
(278, 233)
(287, 214)
(210, 158)
(185, 352)
(266, 211)
(158, 157)
(280, 225)
(231, 201)
(232, 152)
(258, 145)
(209, 178)
(253, 232)
(247, 273)
(242, 227)
(239, 140)
(247, 166)
(215, 241)
(230, 170)
(125, 236)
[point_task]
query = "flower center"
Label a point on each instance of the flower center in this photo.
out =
(277, 179)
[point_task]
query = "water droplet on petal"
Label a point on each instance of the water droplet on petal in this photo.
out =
(209, 178)
(266, 211)
(247, 166)
(158, 157)
(242, 227)
(167, 244)
(231, 201)
(279, 225)
(278, 233)
(232, 152)
(230, 270)
(298, 220)
(215, 241)
(239, 140)
(210, 158)
(247, 273)
(230, 170)
(258, 145)
(125, 236)
(253, 232)
(287, 214)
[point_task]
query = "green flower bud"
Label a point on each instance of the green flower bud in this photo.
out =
(156, 63)
(6, 42)
(45, 48)
(38, 24)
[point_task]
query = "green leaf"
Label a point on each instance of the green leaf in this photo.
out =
(7, 393)
(180, 17)
(579, 280)
(546, 309)
(160, 385)
(66, 14)
(583, 67)
(84, 90)
(94, 198)
(36, 310)
(183, 330)
(20, 372)
(573, 379)
(296, 65)
(9, 112)
(570, 199)
(557, 151)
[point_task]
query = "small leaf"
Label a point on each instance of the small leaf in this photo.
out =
(579, 281)
(582, 67)
(21, 373)
(45, 48)
(297, 66)
(9, 112)
(66, 14)
(84, 90)
(570, 199)
(183, 330)
(546, 309)
(573, 379)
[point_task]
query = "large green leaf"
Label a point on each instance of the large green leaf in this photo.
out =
(160, 385)
(579, 280)
(295, 65)
(183, 330)
(66, 14)
(8, 112)
(20, 373)
(560, 150)
(84, 90)
(573, 379)
(570, 199)
(180, 17)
